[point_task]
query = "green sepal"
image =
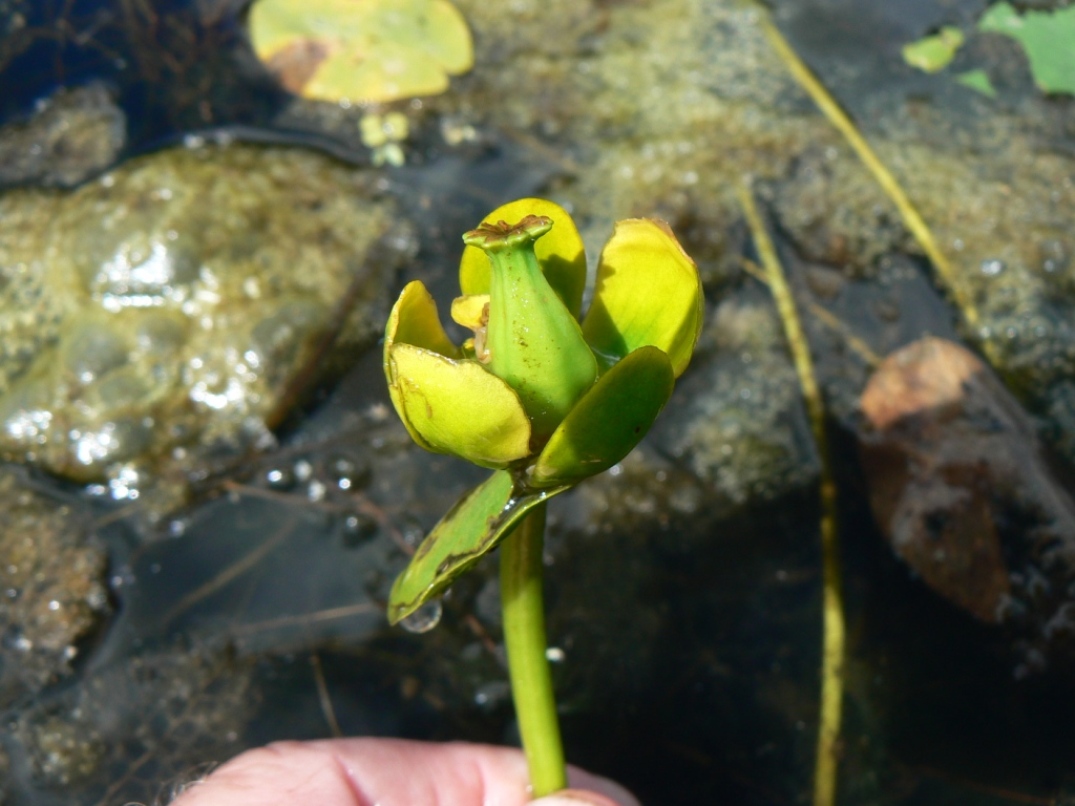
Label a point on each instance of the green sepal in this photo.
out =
(560, 252)
(608, 421)
(473, 527)
(648, 292)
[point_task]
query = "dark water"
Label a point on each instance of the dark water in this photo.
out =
(174, 66)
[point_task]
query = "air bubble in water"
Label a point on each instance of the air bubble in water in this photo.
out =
(424, 619)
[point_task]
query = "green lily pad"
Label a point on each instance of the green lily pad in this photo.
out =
(474, 526)
(609, 420)
(1047, 37)
(458, 407)
(648, 293)
(932, 54)
(560, 252)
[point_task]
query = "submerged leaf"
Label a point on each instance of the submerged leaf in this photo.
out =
(977, 80)
(933, 53)
(473, 527)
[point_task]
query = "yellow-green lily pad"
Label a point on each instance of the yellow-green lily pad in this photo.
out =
(458, 407)
(474, 526)
(1048, 37)
(648, 293)
(560, 252)
(932, 54)
(361, 50)
(608, 422)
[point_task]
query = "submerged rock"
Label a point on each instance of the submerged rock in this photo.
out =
(173, 710)
(737, 421)
(52, 580)
(963, 491)
(165, 309)
(73, 134)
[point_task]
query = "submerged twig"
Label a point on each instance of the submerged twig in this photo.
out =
(826, 317)
(833, 626)
(323, 696)
(892, 188)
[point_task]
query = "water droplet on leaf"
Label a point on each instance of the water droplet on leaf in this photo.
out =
(424, 619)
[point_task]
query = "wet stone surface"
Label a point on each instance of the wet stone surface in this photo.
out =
(737, 420)
(164, 308)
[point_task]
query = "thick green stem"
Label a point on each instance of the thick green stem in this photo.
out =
(524, 637)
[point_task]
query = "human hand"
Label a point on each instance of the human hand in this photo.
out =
(388, 772)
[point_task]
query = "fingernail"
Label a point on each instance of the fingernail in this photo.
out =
(574, 797)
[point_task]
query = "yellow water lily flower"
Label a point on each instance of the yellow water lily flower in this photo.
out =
(542, 396)
(499, 399)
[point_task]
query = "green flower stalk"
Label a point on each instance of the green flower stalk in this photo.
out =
(542, 398)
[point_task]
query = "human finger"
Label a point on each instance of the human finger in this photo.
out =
(365, 771)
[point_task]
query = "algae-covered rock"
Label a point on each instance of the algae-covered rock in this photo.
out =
(740, 425)
(175, 709)
(168, 305)
(52, 580)
(72, 135)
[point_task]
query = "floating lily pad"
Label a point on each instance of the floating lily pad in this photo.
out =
(1048, 39)
(361, 50)
(474, 526)
(933, 53)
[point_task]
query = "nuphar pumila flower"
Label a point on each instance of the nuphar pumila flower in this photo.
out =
(537, 394)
